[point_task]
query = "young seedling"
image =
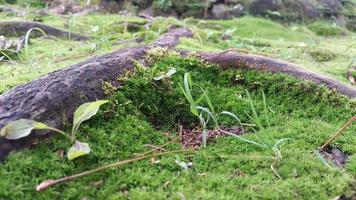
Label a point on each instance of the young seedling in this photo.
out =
(27, 39)
(205, 114)
(23, 127)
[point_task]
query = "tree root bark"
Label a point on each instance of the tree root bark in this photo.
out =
(18, 28)
(53, 98)
(231, 59)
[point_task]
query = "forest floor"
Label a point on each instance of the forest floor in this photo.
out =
(146, 111)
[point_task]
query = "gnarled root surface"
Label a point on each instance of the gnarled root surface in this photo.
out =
(18, 28)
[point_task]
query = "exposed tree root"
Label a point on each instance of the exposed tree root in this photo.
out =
(18, 28)
(231, 59)
(53, 98)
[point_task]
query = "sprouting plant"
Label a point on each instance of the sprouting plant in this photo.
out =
(264, 140)
(204, 114)
(23, 127)
(71, 23)
(27, 38)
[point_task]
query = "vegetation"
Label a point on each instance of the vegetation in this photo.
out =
(254, 35)
(284, 120)
(145, 111)
(23, 127)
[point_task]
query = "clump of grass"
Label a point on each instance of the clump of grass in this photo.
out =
(322, 55)
(325, 29)
(27, 39)
(264, 140)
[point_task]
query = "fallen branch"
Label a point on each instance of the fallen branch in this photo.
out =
(48, 183)
(18, 28)
(338, 133)
(158, 147)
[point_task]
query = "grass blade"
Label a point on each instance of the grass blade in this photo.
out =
(244, 139)
(234, 116)
(27, 38)
(209, 113)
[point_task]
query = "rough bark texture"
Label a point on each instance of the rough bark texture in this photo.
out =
(18, 28)
(231, 59)
(52, 99)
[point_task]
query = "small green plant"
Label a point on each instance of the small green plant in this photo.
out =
(23, 127)
(204, 114)
(27, 39)
(325, 29)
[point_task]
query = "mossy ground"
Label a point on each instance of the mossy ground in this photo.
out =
(144, 111)
(255, 35)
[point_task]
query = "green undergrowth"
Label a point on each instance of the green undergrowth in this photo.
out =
(295, 43)
(145, 111)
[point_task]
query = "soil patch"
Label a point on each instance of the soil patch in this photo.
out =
(192, 138)
(335, 155)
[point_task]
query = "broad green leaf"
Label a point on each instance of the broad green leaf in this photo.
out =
(39, 125)
(17, 129)
(85, 112)
(22, 128)
(78, 149)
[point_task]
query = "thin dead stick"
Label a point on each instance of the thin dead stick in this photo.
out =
(154, 147)
(338, 133)
(158, 147)
(48, 183)
(247, 157)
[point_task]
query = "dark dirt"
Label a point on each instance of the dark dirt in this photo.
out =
(335, 155)
(193, 138)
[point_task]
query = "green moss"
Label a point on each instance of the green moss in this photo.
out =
(322, 55)
(299, 110)
(325, 29)
(261, 28)
(144, 111)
